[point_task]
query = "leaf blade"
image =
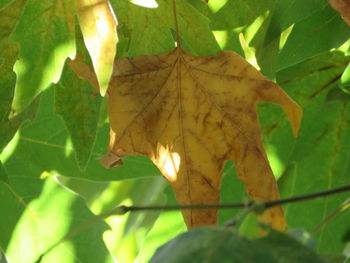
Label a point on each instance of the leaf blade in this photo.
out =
(98, 25)
(300, 43)
(44, 46)
(77, 103)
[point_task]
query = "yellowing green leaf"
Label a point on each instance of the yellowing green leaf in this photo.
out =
(98, 25)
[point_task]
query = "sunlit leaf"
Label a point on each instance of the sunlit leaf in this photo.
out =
(189, 142)
(325, 26)
(128, 232)
(8, 56)
(145, 3)
(3, 174)
(168, 226)
(98, 25)
(46, 220)
(345, 79)
(45, 33)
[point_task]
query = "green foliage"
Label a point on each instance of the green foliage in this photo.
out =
(287, 13)
(78, 104)
(127, 232)
(319, 158)
(151, 31)
(44, 47)
(300, 43)
(47, 219)
(51, 136)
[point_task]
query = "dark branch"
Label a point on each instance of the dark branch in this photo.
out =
(124, 209)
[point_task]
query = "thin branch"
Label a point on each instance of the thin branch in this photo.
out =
(124, 209)
(333, 191)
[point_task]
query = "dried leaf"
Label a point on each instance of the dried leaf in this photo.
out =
(190, 114)
(343, 8)
(98, 25)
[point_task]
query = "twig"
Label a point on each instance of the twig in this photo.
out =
(124, 209)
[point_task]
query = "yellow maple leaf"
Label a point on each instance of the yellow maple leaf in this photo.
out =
(190, 114)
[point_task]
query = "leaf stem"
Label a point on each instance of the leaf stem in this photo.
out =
(178, 44)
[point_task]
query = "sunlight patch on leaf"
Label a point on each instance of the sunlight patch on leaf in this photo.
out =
(10, 148)
(128, 231)
(57, 210)
(3, 175)
(167, 161)
(275, 162)
(168, 225)
(216, 5)
(249, 52)
(45, 175)
(68, 148)
(221, 37)
(345, 80)
(253, 28)
(44, 46)
(284, 36)
(145, 3)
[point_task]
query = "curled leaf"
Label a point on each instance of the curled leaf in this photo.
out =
(98, 25)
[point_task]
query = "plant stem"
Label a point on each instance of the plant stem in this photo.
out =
(176, 25)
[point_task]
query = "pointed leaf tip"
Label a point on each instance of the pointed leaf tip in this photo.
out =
(98, 25)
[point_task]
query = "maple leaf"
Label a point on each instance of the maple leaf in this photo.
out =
(190, 114)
